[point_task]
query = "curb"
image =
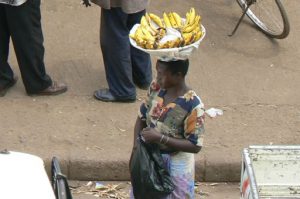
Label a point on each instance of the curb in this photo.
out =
(95, 170)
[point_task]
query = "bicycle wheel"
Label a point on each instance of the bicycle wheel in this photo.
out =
(269, 15)
(59, 181)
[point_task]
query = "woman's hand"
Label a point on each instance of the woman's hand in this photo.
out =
(150, 135)
(86, 3)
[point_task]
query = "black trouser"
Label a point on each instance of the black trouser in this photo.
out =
(124, 64)
(23, 25)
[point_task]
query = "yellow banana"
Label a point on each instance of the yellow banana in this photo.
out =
(139, 37)
(187, 18)
(192, 15)
(141, 43)
(188, 38)
(193, 26)
(143, 37)
(166, 20)
(177, 19)
(197, 29)
(172, 20)
(160, 46)
(198, 35)
(148, 35)
(132, 36)
(149, 45)
(156, 19)
(144, 21)
(191, 18)
(138, 33)
(142, 34)
(146, 25)
(149, 20)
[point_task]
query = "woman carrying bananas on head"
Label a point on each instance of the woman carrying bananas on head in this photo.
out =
(125, 66)
(172, 117)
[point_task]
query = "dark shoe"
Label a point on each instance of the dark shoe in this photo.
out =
(143, 87)
(55, 89)
(4, 89)
(106, 96)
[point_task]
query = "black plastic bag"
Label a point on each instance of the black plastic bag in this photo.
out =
(149, 178)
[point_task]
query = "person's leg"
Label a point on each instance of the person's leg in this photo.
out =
(6, 73)
(115, 48)
(141, 62)
(7, 78)
(24, 24)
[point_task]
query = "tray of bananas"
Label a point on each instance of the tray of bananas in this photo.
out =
(169, 37)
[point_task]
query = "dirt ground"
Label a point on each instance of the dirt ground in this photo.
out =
(253, 78)
(121, 190)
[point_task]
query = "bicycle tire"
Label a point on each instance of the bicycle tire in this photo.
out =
(59, 184)
(262, 9)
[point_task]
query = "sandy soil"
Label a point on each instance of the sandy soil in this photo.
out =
(254, 79)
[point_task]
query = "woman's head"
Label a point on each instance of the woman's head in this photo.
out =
(171, 73)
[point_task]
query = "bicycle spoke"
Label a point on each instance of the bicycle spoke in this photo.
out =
(269, 14)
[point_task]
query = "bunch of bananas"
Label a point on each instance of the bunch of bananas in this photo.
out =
(150, 31)
(153, 28)
(191, 31)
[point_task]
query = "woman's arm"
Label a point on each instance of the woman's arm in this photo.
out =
(181, 145)
(152, 136)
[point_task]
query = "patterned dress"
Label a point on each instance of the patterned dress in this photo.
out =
(183, 118)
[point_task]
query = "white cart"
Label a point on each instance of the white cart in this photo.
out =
(270, 172)
(23, 176)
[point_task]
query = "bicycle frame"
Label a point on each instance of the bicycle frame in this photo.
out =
(249, 3)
